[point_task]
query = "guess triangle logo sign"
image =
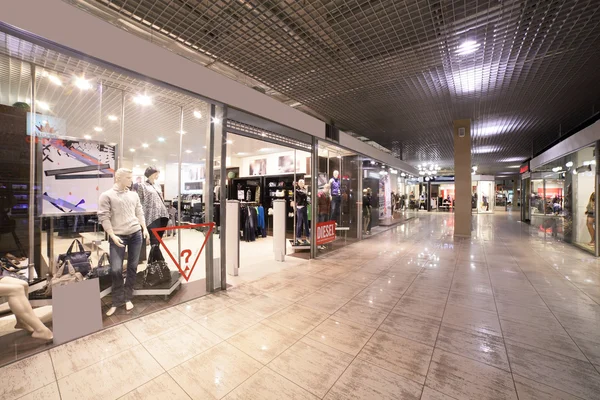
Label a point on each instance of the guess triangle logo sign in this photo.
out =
(188, 260)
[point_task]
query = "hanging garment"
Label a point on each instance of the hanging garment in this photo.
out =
(261, 221)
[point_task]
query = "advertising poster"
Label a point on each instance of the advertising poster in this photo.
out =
(75, 173)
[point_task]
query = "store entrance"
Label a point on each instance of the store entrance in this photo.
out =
(257, 174)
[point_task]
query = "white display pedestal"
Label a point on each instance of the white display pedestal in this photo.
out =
(232, 237)
(279, 246)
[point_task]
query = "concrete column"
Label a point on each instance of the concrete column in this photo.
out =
(462, 177)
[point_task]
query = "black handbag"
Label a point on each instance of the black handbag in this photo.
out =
(157, 271)
(80, 260)
(103, 268)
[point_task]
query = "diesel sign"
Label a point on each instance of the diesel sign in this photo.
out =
(325, 232)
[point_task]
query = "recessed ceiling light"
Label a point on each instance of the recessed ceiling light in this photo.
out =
(98, 129)
(230, 142)
(145, 163)
(83, 83)
(142, 100)
(154, 160)
(132, 150)
(145, 145)
(514, 166)
(188, 151)
(182, 132)
(197, 114)
(241, 154)
(55, 79)
(203, 147)
(137, 166)
(467, 47)
(113, 117)
(88, 137)
(42, 105)
(264, 149)
(569, 164)
(161, 139)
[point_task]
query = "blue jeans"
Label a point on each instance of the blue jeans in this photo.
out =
(302, 220)
(336, 204)
(122, 293)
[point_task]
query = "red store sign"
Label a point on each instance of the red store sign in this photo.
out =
(325, 232)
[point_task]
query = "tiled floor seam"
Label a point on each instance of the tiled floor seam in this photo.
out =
(441, 322)
(560, 323)
(371, 337)
(512, 376)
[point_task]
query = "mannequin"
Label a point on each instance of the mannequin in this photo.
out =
(155, 211)
(367, 211)
(301, 204)
(122, 217)
(324, 204)
(16, 291)
(591, 219)
(336, 195)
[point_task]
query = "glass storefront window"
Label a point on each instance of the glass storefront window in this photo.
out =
(338, 196)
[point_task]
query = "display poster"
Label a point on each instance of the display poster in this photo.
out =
(257, 167)
(385, 195)
(47, 126)
(325, 232)
(75, 173)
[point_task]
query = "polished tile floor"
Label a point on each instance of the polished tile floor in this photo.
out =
(411, 313)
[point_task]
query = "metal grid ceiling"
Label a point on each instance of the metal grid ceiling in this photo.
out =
(392, 70)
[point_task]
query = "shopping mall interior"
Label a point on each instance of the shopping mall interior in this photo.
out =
(299, 200)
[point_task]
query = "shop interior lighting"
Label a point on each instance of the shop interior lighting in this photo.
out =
(83, 83)
(87, 137)
(427, 178)
(98, 129)
(402, 174)
(142, 100)
(197, 114)
(55, 79)
(575, 172)
(112, 118)
(42, 105)
(161, 139)
(372, 162)
(556, 169)
(145, 163)
(132, 150)
(154, 160)
(474, 168)
(586, 163)
(264, 149)
(467, 47)
(182, 132)
(188, 151)
(568, 165)
(145, 145)
(230, 142)
(216, 120)
(203, 147)
(241, 154)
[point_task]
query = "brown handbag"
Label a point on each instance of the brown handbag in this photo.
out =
(61, 279)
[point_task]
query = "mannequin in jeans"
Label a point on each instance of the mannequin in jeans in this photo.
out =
(301, 204)
(335, 186)
(324, 204)
(155, 210)
(121, 215)
(16, 292)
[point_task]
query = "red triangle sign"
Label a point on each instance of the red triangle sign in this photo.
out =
(185, 253)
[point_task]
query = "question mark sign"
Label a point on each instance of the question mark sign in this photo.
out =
(189, 254)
